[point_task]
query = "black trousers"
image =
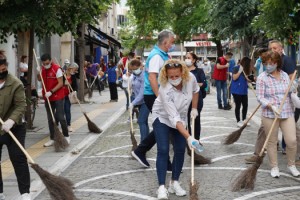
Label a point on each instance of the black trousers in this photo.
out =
(240, 100)
(149, 141)
(113, 91)
(17, 157)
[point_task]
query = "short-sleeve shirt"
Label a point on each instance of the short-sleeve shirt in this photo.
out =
(155, 64)
(23, 66)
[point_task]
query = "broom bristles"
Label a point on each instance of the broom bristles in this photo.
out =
(201, 160)
(91, 125)
(193, 190)
(133, 141)
(59, 188)
(234, 136)
(247, 178)
(60, 142)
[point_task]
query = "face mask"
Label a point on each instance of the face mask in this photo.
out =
(47, 66)
(188, 62)
(137, 71)
(175, 82)
(3, 75)
(172, 48)
(271, 68)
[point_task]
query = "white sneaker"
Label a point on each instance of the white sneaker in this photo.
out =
(176, 188)
(162, 192)
(68, 139)
(294, 171)
(70, 129)
(2, 197)
(248, 124)
(25, 196)
(49, 143)
(240, 124)
(275, 172)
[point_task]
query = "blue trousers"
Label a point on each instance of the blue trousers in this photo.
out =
(221, 87)
(143, 121)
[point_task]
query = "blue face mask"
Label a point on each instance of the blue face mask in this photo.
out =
(172, 48)
(271, 68)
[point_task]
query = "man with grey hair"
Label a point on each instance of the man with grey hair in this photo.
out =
(154, 63)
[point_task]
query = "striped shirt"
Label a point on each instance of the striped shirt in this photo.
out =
(269, 90)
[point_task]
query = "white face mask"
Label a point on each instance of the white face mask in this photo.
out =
(137, 71)
(47, 66)
(188, 62)
(175, 82)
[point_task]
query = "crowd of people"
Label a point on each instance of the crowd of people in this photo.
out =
(173, 91)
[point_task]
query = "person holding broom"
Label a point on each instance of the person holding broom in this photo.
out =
(271, 86)
(13, 106)
(178, 88)
(52, 76)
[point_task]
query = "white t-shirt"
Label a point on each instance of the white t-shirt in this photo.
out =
(126, 79)
(59, 73)
(155, 64)
(23, 66)
(2, 84)
(171, 105)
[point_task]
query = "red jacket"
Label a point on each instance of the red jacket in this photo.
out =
(50, 80)
(220, 74)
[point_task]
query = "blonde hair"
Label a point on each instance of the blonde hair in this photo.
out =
(163, 77)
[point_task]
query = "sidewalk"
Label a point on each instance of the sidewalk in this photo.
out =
(100, 111)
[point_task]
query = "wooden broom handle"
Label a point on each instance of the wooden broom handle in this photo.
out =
(193, 154)
(42, 80)
(252, 114)
(19, 144)
(276, 117)
(130, 110)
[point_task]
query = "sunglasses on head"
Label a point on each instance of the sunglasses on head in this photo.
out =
(173, 65)
(2, 61)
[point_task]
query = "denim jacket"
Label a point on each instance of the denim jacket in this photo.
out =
(12, 100)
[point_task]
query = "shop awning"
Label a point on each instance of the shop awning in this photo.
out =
(104, 35)
(95, 41)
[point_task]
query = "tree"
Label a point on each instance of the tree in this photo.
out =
(44, 18)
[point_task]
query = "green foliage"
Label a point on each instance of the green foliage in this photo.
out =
(48, 17)
(279, 19)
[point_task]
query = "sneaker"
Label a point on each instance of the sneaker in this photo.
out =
(68, 139)
(283, 151)
(162, 192)
(141, 158)
(49, 143)
(228, 107)
(2, 197)
(251, 160)
(275, 172)
(220, 106)
(240, 124)
(70, 129)
(294, 171)
(176, 188)
(25, 196)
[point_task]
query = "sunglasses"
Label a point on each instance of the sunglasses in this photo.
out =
(173, 65)
(2, 61)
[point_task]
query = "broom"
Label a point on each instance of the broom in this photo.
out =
(132, 138)
(60, 141)
(91, 125)
(247, 178)
(59, 188)
(194, 186)
(235, 135)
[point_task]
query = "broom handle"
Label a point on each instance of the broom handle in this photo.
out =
(130, 110)
(246, 122)
(276, 117)
(42, 80)
(193, 153)
(18, 143)
(70, 88)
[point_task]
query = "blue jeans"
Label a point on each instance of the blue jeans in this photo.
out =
(162, 135)
(221, 86)
(67, 108)
(143, 121)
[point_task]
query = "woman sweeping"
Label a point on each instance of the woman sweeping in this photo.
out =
(178, 87)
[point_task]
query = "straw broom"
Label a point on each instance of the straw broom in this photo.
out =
(91, 125)
(60, 142)
(194, 186)
(235, 135)
(247, 178)
(132, 138)
(59, 188)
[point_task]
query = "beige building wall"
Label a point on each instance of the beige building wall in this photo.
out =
(65, 48)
